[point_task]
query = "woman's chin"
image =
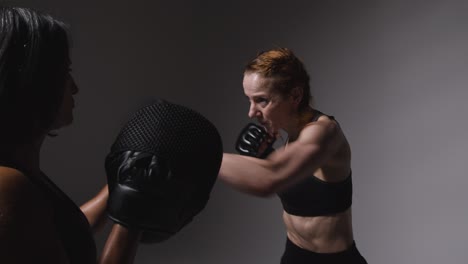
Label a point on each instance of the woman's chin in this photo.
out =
(272, 132)
(62, 123)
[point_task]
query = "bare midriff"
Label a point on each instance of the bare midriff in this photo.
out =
(320, 234)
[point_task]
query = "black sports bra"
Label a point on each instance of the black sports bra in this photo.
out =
(315, 197)
(70, 222)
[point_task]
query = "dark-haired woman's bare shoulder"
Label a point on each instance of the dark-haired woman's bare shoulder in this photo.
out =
(21, 203)
(27, 232)
(17, 191)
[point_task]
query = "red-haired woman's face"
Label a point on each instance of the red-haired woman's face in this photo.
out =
(271, 109)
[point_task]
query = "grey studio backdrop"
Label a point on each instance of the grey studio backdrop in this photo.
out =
(394, 73)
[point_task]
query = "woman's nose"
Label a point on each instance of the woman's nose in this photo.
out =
(253, 112)
(74, 87)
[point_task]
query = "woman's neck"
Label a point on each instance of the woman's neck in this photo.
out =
(25, 156)
(299, 122)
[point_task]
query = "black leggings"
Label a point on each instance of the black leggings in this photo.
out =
(296, 255)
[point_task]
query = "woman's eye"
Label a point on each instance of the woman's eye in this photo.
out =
(261, 101)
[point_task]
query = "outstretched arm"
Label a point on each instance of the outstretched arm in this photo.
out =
(264, 177)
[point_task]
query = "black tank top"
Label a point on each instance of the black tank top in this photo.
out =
(70, 222)
(314, 197)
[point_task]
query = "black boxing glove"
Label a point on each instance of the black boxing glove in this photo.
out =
(254, 141)
(161, 169)
(136, 189)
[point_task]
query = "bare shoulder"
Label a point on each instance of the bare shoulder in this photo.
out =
(320, 131)
(11, 176)
(26, 221)
(16, 187)
(19, 198)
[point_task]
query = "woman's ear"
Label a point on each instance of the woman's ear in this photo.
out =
(296, 94)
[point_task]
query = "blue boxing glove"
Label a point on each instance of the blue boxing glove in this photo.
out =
(254, 141)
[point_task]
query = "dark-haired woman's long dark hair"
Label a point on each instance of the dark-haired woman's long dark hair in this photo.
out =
(34, 61)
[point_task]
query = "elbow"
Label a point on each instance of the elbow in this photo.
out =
(261, 193)
(267, 186)
(264, 190)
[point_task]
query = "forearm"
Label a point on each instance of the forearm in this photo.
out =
(265, 177)
(250, 175)
(121, 245)
(95, 209)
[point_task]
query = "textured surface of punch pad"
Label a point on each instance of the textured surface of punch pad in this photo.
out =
(173, 132)
(188, 150)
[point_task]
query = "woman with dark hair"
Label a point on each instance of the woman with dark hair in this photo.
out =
(311, 174)
(38, 222)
